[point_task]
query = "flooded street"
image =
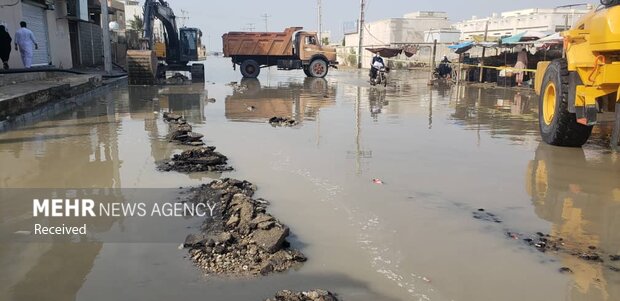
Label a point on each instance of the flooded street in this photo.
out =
(440, 153)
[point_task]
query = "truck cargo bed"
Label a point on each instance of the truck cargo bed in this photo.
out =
(259, 43)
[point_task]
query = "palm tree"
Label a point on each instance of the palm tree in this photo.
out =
(136, 24)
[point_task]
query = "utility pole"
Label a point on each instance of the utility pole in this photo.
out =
(319, 16)
(107, 51)
(361, 34)
(484, 49)
(249, 27)
(265, 17)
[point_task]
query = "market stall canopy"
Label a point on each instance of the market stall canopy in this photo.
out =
(386, 52)
(513, 39)
(462, 47)
(554, 38)
(480, 38)
(411, 50)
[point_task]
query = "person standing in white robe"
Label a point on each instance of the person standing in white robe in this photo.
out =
(24, 38)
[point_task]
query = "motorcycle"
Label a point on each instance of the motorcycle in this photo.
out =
(449, 76)
(381, 77)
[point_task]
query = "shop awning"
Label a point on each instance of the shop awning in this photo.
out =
(386, 52)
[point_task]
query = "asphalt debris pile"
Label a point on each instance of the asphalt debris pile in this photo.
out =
(177, 79)
(197, 160)
(240, 238)
(546, 243)
(313, 295)
(180, 131)
(282, 121)
(482, 214)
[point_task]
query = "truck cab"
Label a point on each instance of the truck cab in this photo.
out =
(190, 39)
(308, 47)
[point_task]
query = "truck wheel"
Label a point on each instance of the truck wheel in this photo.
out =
(250, 69)
(557, 125)
(306, 72)
(318, 68)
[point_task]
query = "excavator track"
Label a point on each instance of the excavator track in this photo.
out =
(142, 67)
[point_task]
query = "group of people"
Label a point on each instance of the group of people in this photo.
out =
(25, 43)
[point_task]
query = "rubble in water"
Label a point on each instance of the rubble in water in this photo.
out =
(282, 121)
(181, 131)
(197, 160)
(313, 295)
(177, 79)
(481, 214)
(241, 238)
(547, 243)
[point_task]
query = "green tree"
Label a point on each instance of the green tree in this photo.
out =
(136, 24)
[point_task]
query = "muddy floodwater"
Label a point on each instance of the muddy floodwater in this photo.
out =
(436, 154)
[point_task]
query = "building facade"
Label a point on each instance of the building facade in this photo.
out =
(413, 28)
(68, 32)
(408, 29)
(48, 21)
(514, 22)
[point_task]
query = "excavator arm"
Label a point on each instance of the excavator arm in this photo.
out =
(159, 9)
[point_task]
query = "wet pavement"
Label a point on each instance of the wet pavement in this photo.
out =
(439, 153)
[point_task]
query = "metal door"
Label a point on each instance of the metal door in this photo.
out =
(36, 21)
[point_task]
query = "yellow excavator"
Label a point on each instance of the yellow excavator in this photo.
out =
(182, 46)
(574, 89)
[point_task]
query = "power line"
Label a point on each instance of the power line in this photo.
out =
(319, 20)
(265, 17)
(249, 27)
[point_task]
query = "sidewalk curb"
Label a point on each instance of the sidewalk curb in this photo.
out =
(60, 106)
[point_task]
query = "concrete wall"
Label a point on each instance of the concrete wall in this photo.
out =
(58, 33)
(91, 44)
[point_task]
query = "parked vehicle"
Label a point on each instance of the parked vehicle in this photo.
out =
(181, 47)
(289, 50)
(574, 89)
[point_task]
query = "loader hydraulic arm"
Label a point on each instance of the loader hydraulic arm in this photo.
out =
(159, 9)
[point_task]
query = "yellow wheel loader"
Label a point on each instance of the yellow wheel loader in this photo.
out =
(574, 89)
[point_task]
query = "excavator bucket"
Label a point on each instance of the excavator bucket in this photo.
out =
(142, 67)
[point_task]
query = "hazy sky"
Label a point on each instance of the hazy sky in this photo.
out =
(217, 17)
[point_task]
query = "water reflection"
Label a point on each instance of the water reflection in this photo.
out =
(302, 101)
(502, 112)
(579, 193)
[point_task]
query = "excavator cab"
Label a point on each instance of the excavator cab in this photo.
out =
(190, 43)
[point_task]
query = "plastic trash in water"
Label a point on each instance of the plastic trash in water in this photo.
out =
(377, 181)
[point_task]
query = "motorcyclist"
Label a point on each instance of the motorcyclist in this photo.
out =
(376, 64)
(444, 68)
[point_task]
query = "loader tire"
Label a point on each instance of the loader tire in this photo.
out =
(250, 69)
(557, 125)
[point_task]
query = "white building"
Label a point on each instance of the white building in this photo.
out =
(413, 28)
(408, 29)
(442, 36)
(514, 22)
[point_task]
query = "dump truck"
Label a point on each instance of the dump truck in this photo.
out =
(291, 49)
(573, 90)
